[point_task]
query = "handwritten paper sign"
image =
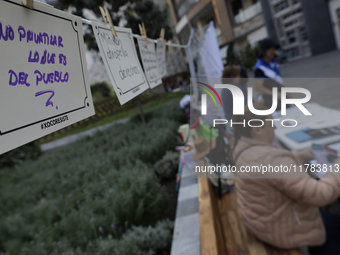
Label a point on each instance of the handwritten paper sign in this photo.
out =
(121, 61)
(175, 63)
(149, 60)
(161, 59)
(43, 73)
(170, 64)
(181, 65)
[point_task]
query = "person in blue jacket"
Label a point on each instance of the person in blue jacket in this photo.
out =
(267, 73)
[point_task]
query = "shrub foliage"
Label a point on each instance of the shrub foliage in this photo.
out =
(99, 195)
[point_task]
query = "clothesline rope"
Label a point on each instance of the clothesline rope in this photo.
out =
(88, 22)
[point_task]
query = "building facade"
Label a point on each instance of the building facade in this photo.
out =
(236, 21)
(302, 27)
(334, 9)
(288, 26)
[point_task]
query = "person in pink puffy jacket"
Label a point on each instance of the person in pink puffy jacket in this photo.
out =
(280, 207)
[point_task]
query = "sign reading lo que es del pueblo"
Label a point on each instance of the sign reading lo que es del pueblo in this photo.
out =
(121, 61)
(44, 77)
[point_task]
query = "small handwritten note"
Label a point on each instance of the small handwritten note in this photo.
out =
(149, 60)
(181, 65)
(44, 76)
(175, 63)
(160, 52)
(121, 61)
(170, 64)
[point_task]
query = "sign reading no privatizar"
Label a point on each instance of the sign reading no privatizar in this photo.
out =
(160, 52)
(121, 61)
(149, 60)
(43, 72)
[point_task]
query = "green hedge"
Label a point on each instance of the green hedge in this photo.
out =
(101, 88)
(167, 167)
(137, 241)
(30, 151)
(87, 196)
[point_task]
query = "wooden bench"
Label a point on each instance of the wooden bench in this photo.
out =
(222, 229)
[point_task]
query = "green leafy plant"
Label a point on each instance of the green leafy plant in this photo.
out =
(128, 13)
(250, 56)
(137, 241)
(167, 166)
(30, 151)
(101, 90)
(74, 199)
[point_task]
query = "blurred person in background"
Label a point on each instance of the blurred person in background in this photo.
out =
(243, 74)
(267, 73)
(233, 74)
(181, 85)
(282, 209)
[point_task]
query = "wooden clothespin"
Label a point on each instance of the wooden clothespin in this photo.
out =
(161, 37)
(170, 47)
(143, 32)
(178, 43)
(140, 30)
(107, 19)
(28, 3)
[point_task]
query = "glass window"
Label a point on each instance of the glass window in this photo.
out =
(291, 23)
(279, 27)
(338, 15)
(291, 36)
(236, 6)
(292, 13)
(297, 11)
(293, 52)
(281, 6)
(286, 16)
(303, 34)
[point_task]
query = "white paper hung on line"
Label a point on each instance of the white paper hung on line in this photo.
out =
(181, 65)
(149, 60)
(160, 52)
(121, 61)
(170, 64)
(45, 82)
